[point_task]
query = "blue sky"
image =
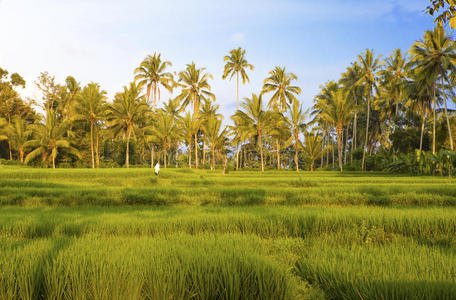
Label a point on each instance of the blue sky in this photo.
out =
(103, 41)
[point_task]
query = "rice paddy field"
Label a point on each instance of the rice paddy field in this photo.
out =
(196, 234)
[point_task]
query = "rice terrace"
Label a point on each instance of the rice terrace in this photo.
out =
(294, 166)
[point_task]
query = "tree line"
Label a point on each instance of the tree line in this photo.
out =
(383, 113)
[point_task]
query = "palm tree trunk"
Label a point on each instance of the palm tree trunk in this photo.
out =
(327, 152)
(165, 156)
(237, 93)
(91, 144)
(204, 154)
(97, 150)
(346, 145)
(322, 154)
(339, 145)
(355, 121)
(127, 153)
(367, 131)
(446, 115)
(213, 158)
(245, 155)
(53, 161)
(155, 95)
(422, 133)
(237, 156)
(196, 150)
(190, 153)
(261, 151)
(152, 154)
(312, 166)
(278, 154)
(21, 155)
(433, 121)
(296, 152)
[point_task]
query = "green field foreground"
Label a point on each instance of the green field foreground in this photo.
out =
(126, 234)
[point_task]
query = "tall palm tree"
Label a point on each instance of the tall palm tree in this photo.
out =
(256, 117)
(338, 112)
(195, 88)
(313, 146)
(434, 57)
(124, 114)
(394, 75)
(279, 131)
(296, 121)
(280, 82)
(237, 64)
(19, 133)
(165, 130)
(48, 139)
(370, 66)
(151, 73)
(213, 132)
(91, 106)
(190, 125)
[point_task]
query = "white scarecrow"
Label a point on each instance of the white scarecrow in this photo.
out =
(157, 168)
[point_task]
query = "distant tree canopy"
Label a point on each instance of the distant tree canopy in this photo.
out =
(444, 10)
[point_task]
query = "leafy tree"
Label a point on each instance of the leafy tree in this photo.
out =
(19, 133)
(190, 125)
(447, 10)
(235, 63)
(215, 135)
(296, 121)
(165, 130)
(125, 113)
(48, 139)
(313, 146)
(256, 117)
(280, 83)
(91, 106)
(151, 73)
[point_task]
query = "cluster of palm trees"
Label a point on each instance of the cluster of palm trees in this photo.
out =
(378, 95)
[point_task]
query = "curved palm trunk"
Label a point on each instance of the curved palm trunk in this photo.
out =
(237, 156)
(446, 116)
(261, 151)
(278, 154)
(433, 121)
(367, 132)
(422, 132)
(91, 144)
(127, 153)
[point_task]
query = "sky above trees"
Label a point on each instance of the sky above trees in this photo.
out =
(104, 41)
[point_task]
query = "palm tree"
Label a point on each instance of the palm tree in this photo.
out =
(190, 125)
(313, 146)
(213, 134)
(237, 64)
(195, 88)
(206, 111)
(256, 118)
(434, 57)
(165, 131)
(91, 106)
(240, 132)
(19, 134)
(296, 123)
(279, 131)
(368, 78)
(338, 112)
(279, 82)
(48, 139)
(151, 73)
(125, 112)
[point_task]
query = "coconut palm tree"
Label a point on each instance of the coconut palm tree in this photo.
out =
(296, 121)
(151, 73)
(237, 64)
(338, 112)
(190, 125)
(279, 82)
(279, 131)
(48, 139)
(90, 106)
(124, 114)
(166, 131)
(195, 88)
(370, 66)
(256, 117)
(313, 146)
(19, 133)
(214, 134)
(207, 110)
(434, 57)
